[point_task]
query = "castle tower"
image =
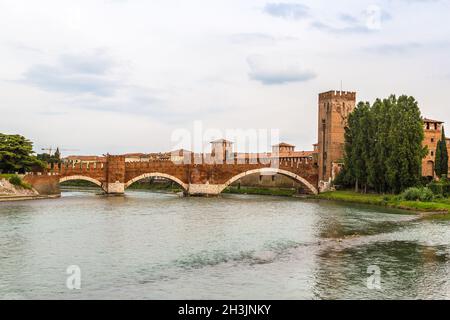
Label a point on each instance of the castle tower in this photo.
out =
(222, 150)
(433, 134)
(334, 109)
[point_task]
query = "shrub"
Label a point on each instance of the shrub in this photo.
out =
(15, 180)
(446, 190)
(436, 188)
(440, 188)
(418, 194)
(426, 195)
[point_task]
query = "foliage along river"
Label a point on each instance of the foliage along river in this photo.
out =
(160, 246)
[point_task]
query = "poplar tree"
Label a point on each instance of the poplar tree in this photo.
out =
(444, 150)
(441, 158)
(383, 145)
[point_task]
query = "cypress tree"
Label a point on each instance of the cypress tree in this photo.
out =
(444, 151)
(441, 161)
(438, 160)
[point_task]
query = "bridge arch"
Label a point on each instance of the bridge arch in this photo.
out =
(78, 177)
(160, 175)
(272, 171)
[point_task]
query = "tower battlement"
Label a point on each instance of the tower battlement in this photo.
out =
(350, 95)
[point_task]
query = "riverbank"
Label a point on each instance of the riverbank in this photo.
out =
(437, 209)
(4, 198)
(13, 188)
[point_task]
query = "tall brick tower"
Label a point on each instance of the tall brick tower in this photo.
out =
(334, 108)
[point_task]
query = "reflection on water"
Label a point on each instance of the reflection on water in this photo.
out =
(160, 246)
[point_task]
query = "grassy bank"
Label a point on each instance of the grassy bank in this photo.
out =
(15, 180)
(280, 192)
(442, 206)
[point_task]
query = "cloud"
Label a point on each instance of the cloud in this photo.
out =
(273, 72)
(408, 47)
(262, 39)
(294, 11)
(79, 74)
(253, 38)
(399, 48)
(369, 21)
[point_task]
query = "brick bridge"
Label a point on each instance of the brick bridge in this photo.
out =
(197, 174)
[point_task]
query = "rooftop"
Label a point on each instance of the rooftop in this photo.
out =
(136, 155)
(431, 121)
(221, 141)
(284, 144)
(84, 158)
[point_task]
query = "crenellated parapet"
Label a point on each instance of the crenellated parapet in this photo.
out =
(349, 95)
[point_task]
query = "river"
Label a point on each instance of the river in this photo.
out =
(162, 246)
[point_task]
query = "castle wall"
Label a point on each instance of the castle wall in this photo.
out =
(44, 184)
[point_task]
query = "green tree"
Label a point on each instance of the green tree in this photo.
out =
(16, 154)
(356, 147)
(438, 159)
(57, 155)
(441, 159)
(383, 145)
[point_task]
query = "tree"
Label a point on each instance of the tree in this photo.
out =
(441, 159)
(16, 154)
(438, 160)
(383, 145)
(357, 141)
(444, 150)
(57, 155)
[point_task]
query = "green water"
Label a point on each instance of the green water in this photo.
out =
(161, 246)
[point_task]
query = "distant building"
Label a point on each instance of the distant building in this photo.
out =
(287, 152)
(180, 155)
(83, 159)
(222, 149)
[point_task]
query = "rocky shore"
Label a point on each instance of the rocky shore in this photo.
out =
(9, 192)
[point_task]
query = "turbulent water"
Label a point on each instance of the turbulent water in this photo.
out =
(161, 246)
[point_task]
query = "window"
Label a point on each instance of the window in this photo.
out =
(432, 139)
(428, 126)
(432, 153)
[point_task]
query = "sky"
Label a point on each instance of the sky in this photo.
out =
(117, 76)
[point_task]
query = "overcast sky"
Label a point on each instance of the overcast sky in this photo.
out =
(121, 75)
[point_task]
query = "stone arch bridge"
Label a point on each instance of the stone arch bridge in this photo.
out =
(197, 174)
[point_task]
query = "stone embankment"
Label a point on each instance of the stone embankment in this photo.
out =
(9, 192)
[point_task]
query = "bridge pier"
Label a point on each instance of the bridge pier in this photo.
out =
(115, 175)
(205, 189)
(114, 188)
